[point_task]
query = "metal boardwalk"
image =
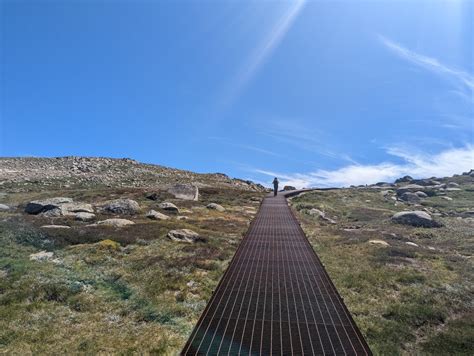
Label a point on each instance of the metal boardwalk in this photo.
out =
(275, 297)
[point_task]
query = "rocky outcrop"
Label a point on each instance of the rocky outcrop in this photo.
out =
(4, 207)
(415, 218)
(214, 206)
(121, 206)
(404, 179)
(184, 191)
(288, 188)
(185, 235)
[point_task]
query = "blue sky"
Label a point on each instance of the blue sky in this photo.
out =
(319, 93)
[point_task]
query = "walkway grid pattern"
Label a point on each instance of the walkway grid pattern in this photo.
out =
(276, 298)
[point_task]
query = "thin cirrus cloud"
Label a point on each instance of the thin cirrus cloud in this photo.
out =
(464, 79)
(302, 137)
(445, 163)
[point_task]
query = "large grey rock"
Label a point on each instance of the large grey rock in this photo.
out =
(116, 222)
(41, 206)
(168, 207)
(288, 187)
(415, 218)
(184, 191)
(154, 215)
(184, 235)
(4, 207)
(214, 206)
(410, 198)
(121, 206)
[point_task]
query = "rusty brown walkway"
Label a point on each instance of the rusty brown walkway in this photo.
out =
(275, 297)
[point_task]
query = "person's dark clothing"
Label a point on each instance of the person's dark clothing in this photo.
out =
(275, 187)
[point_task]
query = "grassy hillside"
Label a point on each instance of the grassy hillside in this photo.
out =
(107, 289)
(413, 295)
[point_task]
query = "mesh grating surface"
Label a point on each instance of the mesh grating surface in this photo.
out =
(275, 297)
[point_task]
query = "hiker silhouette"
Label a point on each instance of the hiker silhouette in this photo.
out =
(275, 186)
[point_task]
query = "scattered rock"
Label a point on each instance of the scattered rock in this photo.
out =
(415, 218)
(41, 206)
(322, 215)
(447, 198)
(41, 256)
(214, 206)
(154, 215)
(116, 222)
(184, 191)
(452, 185)
(84, 216)
(4, 207)
(121, 206)
(55, 227)
(185, 235)
(410, 198)
(168, 207)
(453, 189)
(379, 242)
(421, 194)
(411, 244)
(73, 208)
(182, 218)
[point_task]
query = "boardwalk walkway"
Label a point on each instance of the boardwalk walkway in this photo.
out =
(276, 298)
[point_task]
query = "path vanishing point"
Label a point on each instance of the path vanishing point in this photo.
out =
(276, 298)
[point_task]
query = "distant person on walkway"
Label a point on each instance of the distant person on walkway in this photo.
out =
(275, 186)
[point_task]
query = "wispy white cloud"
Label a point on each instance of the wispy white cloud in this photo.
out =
(303, 137)
(464, 78)
(416, 164)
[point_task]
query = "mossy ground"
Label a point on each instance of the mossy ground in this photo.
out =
(109, 290)
(405, 299)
